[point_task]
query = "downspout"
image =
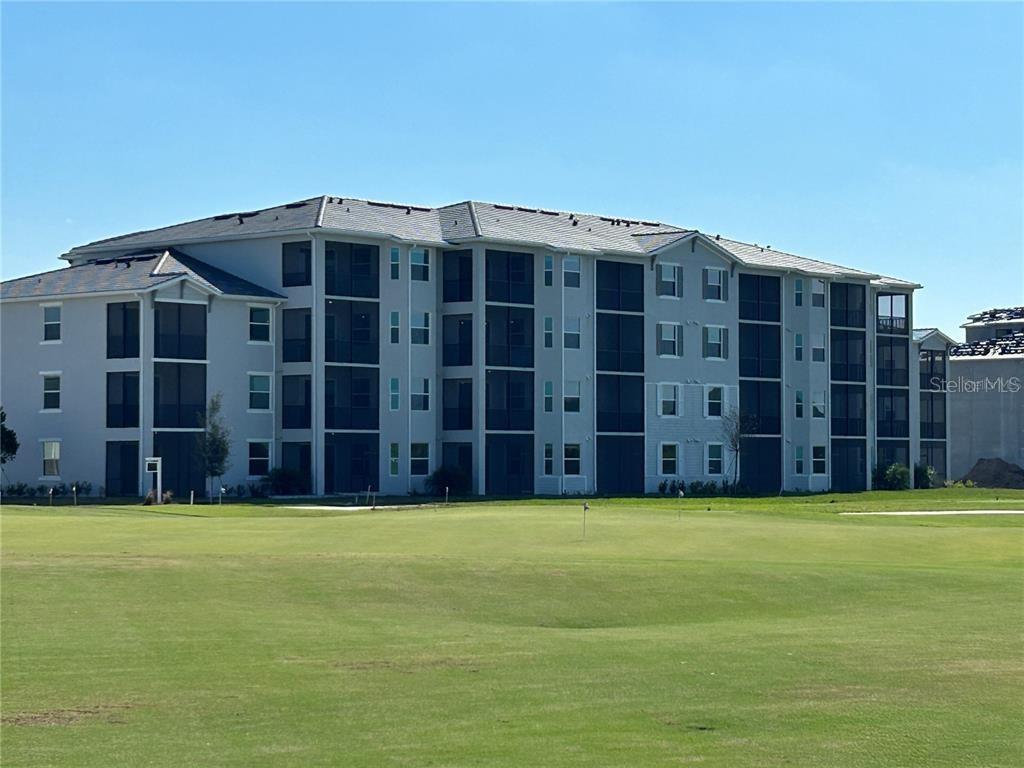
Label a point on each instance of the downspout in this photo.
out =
(408, 367)
(316, 422)
(141, 458)
(561, 383)
(782, 375)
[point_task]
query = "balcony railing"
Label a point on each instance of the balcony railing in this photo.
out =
(892, 324)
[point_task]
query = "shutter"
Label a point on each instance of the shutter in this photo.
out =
(704, 283)
(704, 341)
(725, 343)
(725, 285)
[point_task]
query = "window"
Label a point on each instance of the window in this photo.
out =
(620, 342)
(123, 329)
(893, 409)
(818, 405)
(419, 259)
(670, 280)
(798, 295)
(296, 333)
(760, 298)
(396, 272)
(620, 286)
(123, 399)
(760, 405)
(394, 452)
(394, 394)
(549, 332)
(259, 392)
(509, 277)
(817, 293)
(818, 465)
(549, 459)
(395, 323)
(509, 334)
(51, 392)
(571, 334)
(669, 458)
(716, 342)
(457, 340)
(847, 307)
(179, 394)
(715, 284)
(180, 330)
(549, 397)
(620, 403)
(798, 405)
(509, 400)
(259, 324)
(457, 402)
(892, 313)
(714, 463)
(571, 398)
(51, 458)
(296, 400)
(571, 455)
(351, 397)
(670, 340)
(798, 347)
(668, 400)
(892, 361)
(932, 369)
(351, 331)
(295, 264)
(419, 458)
(713, 397)
(549, 270)
(351, 269)
(848, 355)
(420, 397)
(818, 348)
(458, 276)
(51, 322)
(419, 331)
(571, 271)
(259, 458)
(933, 416)
(848, 410)
(798, 460)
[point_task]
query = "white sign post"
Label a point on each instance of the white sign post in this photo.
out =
(154, 466)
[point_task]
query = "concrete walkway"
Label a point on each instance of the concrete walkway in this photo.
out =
(945, 512)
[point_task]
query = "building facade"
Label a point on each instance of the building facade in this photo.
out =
(367, 344)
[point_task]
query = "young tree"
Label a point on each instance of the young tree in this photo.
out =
(213, 444)
(8, 440)
(735, 427)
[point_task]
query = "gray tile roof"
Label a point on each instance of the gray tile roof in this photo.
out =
(471, 220)
(991, 316)
(135, 272)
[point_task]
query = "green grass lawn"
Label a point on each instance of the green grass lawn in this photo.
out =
(759, 632)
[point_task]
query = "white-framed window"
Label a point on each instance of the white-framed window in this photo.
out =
(670, 340)
(670, 280)
(571, 333)
(549, 459)
(259, 324)
(817, 293)
(670, 459)
(419, 329)
(394, 394)
(668, 400)
(571, 271)
(716, 342)
(798, 460)
(395, 322)
(716, 284)
(259, 392)
(571, 458)
(715, 453)
(798, 292)
(419, 261)
(549, 332)
(798, 404)
(549, 269)
(798, 347)
(51, 323)
(420, 395)
(818, 348)
(549, 396)
(259, 458)
(818, 405)
(571, 399)
(51, 458)
(51, 390)
(419, 458)
(394, 456)
(396, 266)
(714, 401)
(819, 465)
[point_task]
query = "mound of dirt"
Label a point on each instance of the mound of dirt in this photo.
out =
(996, 473)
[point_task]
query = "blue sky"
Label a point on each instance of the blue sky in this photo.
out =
(881, 136)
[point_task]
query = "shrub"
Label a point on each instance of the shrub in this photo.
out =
(84, 487)
(60, 489)
(258, 490)
(17, 489)
(150, 498)
(924, 476)
(895, 477)
(674, 486)
(663, 487)
(286, 482)
(168, 497)
(453, 478)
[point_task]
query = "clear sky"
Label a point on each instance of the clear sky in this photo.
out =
(885, 137)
